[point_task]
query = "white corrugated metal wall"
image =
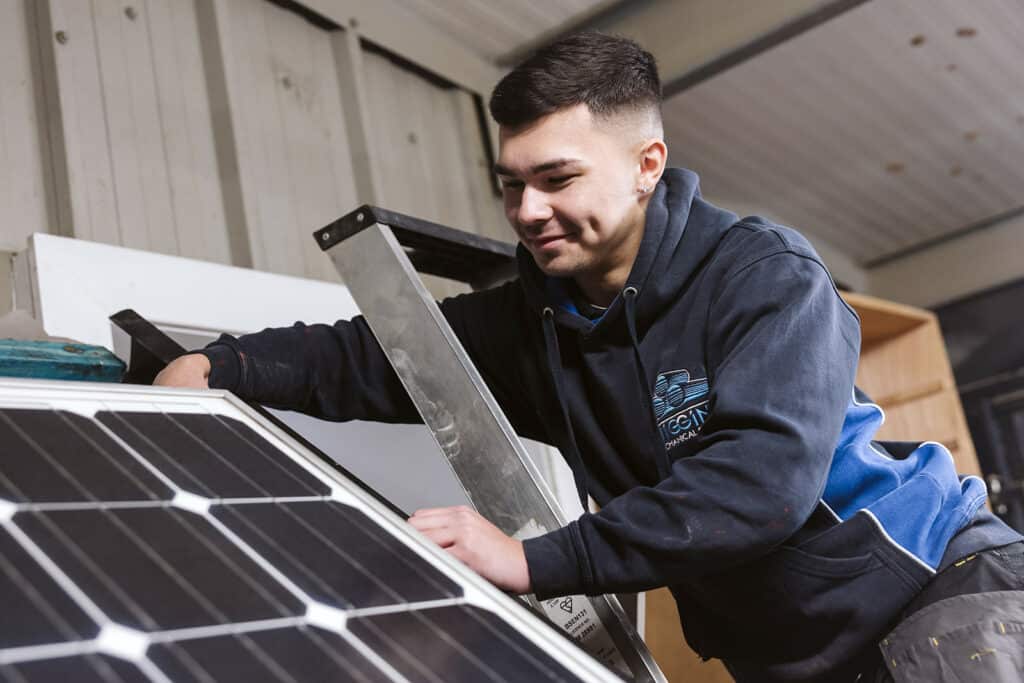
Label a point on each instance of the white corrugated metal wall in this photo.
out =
(220, 130)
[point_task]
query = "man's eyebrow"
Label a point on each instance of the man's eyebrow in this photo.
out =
(539, 168)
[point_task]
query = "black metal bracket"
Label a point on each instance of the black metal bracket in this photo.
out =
(432, 248)
(151, 349)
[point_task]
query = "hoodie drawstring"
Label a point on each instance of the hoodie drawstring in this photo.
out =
(659, 454)
(579, 469)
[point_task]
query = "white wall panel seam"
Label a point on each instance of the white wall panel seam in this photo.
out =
(351, 70)
(300, 266)
(165, 181)
(219, 74)
(106, 128)
(50, 120)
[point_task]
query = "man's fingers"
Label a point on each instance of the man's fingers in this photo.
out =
(457, 510)
(425, 523)
(444, 537)
(460, 553)
(191, 370)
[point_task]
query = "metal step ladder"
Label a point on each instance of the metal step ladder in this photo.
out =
(377, 254)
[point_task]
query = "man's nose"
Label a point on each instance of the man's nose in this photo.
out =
(534, 207)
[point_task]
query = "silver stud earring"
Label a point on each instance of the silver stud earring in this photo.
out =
(643, 189)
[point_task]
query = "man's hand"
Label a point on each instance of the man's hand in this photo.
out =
(477, 543)
(190, 371)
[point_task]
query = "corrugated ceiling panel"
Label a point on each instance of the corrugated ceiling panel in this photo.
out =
(493, 29)
(863, 134)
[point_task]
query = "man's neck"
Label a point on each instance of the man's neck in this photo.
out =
(601, 291)
(600, 288)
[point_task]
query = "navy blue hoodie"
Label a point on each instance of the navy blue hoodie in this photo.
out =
(711, 412)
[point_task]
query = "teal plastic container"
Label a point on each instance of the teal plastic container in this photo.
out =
(59, 360)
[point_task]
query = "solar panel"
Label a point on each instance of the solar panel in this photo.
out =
(166, 535)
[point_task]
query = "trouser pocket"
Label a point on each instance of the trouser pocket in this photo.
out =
(977, 637)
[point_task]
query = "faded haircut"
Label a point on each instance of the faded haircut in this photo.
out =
(612, 75)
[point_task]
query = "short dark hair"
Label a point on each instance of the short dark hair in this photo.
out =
(609, 74)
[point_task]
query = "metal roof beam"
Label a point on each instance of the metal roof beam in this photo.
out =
(696, 39)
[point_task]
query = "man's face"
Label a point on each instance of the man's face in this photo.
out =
(570, 191)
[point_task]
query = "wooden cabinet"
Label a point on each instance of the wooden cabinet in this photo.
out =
(905, 369)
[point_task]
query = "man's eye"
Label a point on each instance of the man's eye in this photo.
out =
(560, 180)
(511, 185)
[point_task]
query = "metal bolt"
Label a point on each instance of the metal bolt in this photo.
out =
(325, 236)
(130, 12)
(61, 37)
(360, 217)
(413, 139)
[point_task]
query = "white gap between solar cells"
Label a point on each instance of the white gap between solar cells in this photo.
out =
(405, 607)
(194, 632)
(266, 501)
(121, 641)
(325, 616)
(28, 653)
(7, 510)
(89, 505)
(191, 502)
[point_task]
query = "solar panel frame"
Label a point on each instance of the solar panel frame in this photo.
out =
(89, 399)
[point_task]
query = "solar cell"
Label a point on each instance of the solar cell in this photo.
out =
(335, 554)
(184, 541)
(35, 609)
(211, 456)
(90, 465)
(474, 646)
(301, 653)
(77, 668)
(158, 568)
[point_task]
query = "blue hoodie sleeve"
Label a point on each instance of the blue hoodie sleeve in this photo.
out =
(782, 351)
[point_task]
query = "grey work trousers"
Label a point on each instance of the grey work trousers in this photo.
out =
(966, 626)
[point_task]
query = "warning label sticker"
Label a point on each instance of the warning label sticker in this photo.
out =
(575, 615)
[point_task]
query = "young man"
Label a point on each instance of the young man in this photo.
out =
(696, 370)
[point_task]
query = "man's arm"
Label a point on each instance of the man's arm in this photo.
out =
(335, 372)
(339, 372)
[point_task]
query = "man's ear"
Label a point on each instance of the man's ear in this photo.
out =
(652, 159)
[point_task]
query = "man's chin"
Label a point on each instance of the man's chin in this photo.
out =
(556, 267)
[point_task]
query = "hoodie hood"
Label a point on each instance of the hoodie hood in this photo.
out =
(670, 252)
